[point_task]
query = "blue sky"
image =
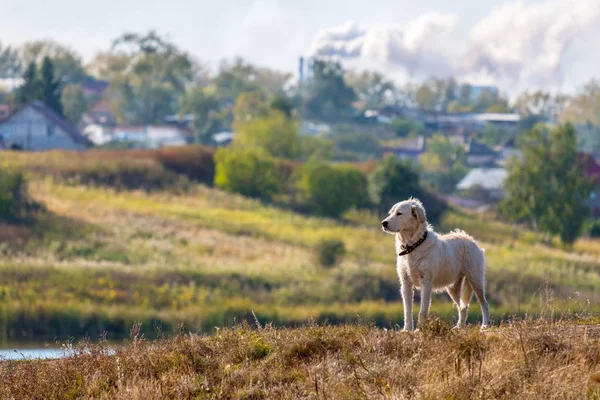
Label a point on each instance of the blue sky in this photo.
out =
(275, 32)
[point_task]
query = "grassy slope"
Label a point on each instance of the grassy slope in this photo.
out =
(104, 259)
(522, 361)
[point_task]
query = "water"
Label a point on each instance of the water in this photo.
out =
(17, 353)
(34, 351)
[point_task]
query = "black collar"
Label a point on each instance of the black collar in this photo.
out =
(411, 248)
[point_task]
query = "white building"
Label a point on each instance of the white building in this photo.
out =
(489, 179)
(35, 127)
(153, 136)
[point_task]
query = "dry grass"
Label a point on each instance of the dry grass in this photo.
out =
(524, 360)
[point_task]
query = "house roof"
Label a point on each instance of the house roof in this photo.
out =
(53, 117)
(476, 148)
(95, 86)
(149, 129)
(593, 168)
(413, 144)
(488, 178)
(497, 117)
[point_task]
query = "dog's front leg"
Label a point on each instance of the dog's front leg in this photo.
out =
(407, 300)
(426, 288)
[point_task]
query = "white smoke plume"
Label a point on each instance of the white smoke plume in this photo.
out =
(515, 46)
(414, 47)
(528, 43)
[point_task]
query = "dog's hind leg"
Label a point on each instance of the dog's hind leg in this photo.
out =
(454, 293)
(485, 308)
(465, 299)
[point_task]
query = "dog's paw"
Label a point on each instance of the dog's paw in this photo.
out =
(484, 327)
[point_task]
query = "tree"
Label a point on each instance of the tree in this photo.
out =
(328, 96)
(250, 172)
(149, 76)
(51, 92)
(371, 88)
(426, 97)
(464, 96)
(492, 136)
(404, 127)
(67, 63)
(443, 163)
(273, 132)
(490, 101)
(585, 107)
(548, 187)
(205, 109)
(332, 190)
(74, 103)
(393, 180)
(234, 79)
(31, 89)
(14, 199)
(260, 123)
(11, 65)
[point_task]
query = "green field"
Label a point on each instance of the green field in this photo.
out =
(97, 259)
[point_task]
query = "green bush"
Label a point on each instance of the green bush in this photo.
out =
(595, 229)
(195, 162)
(330, 252)
(395, 180)
(404, 127)
(332, 190)
(250, 172)
(13, 194)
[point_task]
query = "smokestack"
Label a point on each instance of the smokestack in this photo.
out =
(301, 69)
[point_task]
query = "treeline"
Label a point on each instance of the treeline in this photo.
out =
(151, 78)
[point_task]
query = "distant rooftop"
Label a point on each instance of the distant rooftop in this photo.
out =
(488, 178)
(497, 117)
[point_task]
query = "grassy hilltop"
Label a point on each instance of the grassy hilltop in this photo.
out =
(527, 360)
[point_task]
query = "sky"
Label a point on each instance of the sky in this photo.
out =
(517, 44)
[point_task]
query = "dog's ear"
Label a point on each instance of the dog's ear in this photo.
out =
(418, 213)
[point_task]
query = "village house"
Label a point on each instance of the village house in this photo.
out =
(488, 180)
(410, 149)
(491, 180)
(36, 127)
(593, 172)
(153, 136)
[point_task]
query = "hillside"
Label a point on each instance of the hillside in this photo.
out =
(527, 360)
(98, 260)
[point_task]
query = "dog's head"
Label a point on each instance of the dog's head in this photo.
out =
(404, 216)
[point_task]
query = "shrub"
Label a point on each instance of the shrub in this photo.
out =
(122, 175)
(331, 190)
(250, 172)
(330, 252)
(595, 229)
(404, 127)
(195, 162)
(13, 194)
(394, 180)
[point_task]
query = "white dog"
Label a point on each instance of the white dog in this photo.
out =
(430, 261)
